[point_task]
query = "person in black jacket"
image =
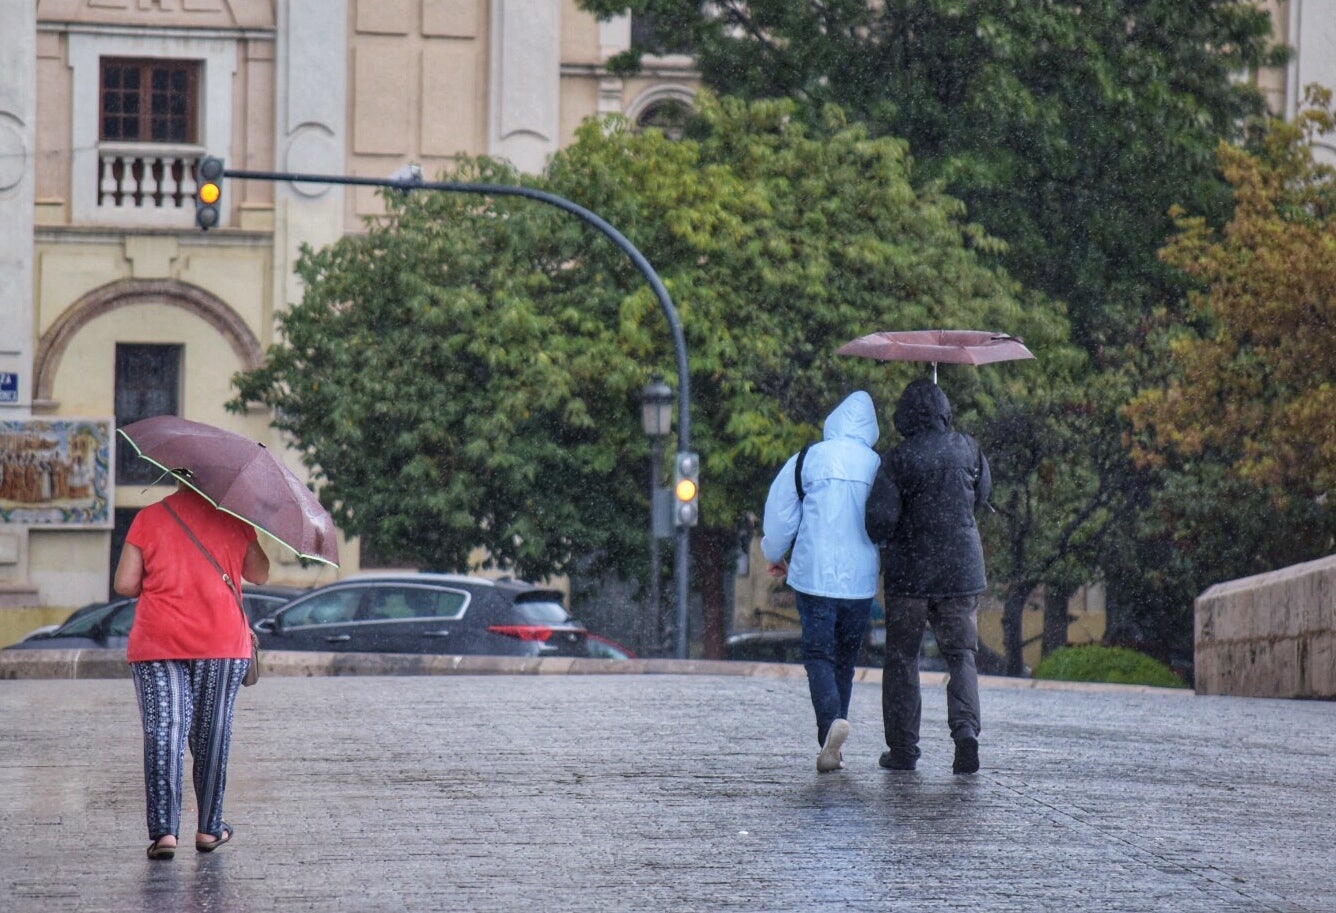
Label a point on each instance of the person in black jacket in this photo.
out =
(921, 510)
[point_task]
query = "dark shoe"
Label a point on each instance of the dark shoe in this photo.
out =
(208, 846)
(895, 760)
(157, 851)
(967, 756)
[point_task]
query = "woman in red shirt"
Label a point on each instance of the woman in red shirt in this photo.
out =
(189, 650)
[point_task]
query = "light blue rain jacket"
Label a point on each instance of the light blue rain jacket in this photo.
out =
(832, 555)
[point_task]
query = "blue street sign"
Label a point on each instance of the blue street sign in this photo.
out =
(9, 387)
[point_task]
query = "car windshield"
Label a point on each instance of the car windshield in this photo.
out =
(540, 612)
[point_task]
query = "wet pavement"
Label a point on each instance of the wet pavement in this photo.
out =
(676, 792)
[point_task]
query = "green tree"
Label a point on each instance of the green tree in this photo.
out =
(1059, 480)
(1068, 127)
(466, 375)
(452, 391)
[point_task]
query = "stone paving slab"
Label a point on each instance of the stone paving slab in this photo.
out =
(672, 792)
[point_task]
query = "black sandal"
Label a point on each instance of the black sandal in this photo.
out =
(156, 850)
(208, 846)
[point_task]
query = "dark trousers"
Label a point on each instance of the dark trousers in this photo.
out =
(955, 622)
(833, 632)
(186, 702)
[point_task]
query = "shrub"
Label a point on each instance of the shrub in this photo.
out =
(1093, 663)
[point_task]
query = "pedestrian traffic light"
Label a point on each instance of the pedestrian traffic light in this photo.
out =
(686, 490)
(208, 191)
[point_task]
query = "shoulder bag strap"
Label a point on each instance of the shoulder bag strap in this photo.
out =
(227, 578)
(798, 470)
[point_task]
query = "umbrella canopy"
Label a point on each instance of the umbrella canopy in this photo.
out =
(956, 347)
(239, 476)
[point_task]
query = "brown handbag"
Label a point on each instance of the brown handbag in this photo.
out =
(253, 670)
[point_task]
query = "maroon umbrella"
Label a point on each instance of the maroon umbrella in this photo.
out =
(239, 476)
(957, 347)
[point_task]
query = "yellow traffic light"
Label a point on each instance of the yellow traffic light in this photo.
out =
(687, 489)
(209, 190)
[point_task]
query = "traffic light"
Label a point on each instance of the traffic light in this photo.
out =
(208, 191)
(686, 490)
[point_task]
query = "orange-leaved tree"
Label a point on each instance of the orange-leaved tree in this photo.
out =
(1253, 379)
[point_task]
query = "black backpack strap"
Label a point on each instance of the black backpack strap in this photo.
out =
(798, 470)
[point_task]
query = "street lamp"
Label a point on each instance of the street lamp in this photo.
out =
(656, 417)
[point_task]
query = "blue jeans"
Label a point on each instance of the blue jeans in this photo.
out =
(833, 632)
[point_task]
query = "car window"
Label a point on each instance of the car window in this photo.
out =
(540, 612)
(395, 602)
(324, 608)
(259, 605)
(122, 620)
(86, 625)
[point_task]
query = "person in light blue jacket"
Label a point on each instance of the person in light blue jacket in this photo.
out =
(814, 534)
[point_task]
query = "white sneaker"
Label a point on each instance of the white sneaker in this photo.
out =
(831, 758)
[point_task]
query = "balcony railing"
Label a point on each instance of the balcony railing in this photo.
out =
(142, 177)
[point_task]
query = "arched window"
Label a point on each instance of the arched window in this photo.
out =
(668, 112)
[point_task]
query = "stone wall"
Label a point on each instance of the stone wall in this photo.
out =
(1272, 635)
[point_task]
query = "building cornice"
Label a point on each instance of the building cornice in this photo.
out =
(98, 234)
(651, 68)
(155, 31)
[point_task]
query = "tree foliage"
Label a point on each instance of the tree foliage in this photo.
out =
(1069, 127)
(466, 374)
(452, 389)
(1254, 382)
(1235, 425)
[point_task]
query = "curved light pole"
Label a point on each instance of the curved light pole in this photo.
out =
(412, 180)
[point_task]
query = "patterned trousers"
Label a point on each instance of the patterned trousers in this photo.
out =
(180, 702)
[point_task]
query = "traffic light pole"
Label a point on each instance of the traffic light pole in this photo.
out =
(682, 558)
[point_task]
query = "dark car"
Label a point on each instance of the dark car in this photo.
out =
(427, 613)
(107, 624)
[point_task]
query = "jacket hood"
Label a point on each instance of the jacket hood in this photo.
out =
(922, 407)
(855, 418)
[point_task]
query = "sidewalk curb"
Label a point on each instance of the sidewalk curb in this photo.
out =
(103, 664)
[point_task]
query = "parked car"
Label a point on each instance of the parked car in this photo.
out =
(427, 613)
(606, 648)
(107, 624)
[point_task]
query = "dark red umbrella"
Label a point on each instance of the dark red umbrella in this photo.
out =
(957, 347)
(240, 476)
